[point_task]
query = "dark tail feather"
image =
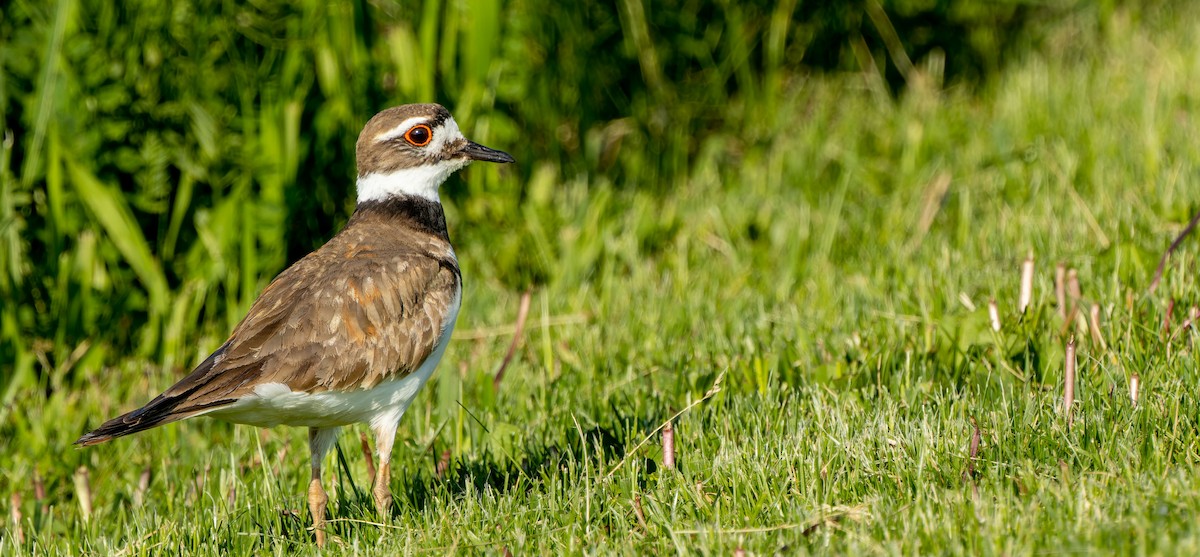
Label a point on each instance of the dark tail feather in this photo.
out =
(164, 409)
(149, 416)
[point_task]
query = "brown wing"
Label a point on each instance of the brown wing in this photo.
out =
(340, 327)
(345, 317)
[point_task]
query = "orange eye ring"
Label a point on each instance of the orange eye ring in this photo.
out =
(419, 135)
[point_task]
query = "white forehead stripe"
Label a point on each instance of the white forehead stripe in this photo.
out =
(400, 130)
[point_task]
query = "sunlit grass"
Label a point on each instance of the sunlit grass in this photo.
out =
(833, 272)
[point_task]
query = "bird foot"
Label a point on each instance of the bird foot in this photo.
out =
(316, 505)
(382, 491)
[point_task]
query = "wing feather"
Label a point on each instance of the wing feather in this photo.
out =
(328, 322)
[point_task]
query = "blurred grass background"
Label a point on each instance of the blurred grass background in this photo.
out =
(813, 201)
(162, 161)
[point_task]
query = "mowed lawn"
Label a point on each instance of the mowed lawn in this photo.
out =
(811, 306)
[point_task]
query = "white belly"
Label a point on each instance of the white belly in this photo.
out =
(275, 404)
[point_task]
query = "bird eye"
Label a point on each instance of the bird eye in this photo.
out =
(419, 135)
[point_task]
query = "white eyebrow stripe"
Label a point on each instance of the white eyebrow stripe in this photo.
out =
(400, 130)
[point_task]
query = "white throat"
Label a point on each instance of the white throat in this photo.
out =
(422, 181)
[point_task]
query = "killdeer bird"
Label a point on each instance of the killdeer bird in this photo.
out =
(352, 331)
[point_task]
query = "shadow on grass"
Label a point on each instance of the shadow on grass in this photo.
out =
(352, 512)
(565, 455)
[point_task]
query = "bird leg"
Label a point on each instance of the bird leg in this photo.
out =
(319, 441)
(385, 437)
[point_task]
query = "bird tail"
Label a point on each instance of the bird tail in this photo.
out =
(168, 407)
(138, 420)
(160, 411)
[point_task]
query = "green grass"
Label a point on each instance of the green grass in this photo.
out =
(816, 263)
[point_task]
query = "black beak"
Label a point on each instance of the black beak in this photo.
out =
(477, 152)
